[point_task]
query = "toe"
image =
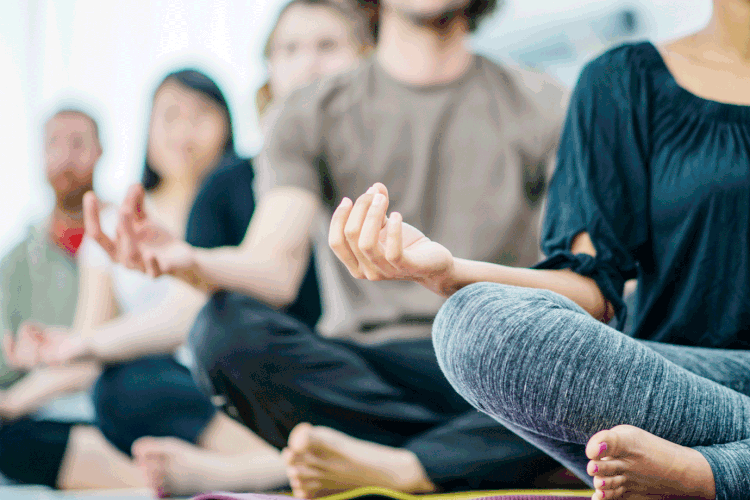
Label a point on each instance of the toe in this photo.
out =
(303, 473)
(143, 446)
(605, 467)
(600, 445)
(614, 442)
(307, 489)
(299, 438)
(608, 482)
(288, 456)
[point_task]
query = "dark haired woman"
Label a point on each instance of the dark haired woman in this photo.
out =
(146, 400)
(653, 182)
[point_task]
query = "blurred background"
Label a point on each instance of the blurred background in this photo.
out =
(113, 54)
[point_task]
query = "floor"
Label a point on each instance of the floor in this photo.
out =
(37, 493)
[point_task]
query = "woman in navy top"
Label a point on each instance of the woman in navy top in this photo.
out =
(653, 183)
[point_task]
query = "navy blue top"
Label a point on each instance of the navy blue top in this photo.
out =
(660, 179)
(220, 217)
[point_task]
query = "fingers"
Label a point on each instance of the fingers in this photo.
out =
(369, 242)
(9, 349)
(337, 239)
(394, 245)
(151, 264)
(353, 230)
(27, 344)
(128, 252)
(134, 202)
(92, 225)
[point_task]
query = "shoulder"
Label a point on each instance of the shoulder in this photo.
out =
(15, 257)
(617, 69)
(525, 88)
(331, 94)
(231, 170)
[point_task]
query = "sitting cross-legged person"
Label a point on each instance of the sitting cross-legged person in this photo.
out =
(46, 435)
(651, 183)
(362, 401)
(134, 326)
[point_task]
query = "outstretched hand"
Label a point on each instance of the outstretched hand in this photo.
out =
(376, 247)
(140, 243)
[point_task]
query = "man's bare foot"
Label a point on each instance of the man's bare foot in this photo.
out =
(630, 463)
(321, 461)
(176, 467)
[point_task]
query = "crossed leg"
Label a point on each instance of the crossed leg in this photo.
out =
(539, 363)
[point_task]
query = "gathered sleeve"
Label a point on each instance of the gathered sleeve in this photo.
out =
(600, 185)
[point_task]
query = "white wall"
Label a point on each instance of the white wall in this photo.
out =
(116, 52)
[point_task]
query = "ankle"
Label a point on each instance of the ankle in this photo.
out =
(698, 476)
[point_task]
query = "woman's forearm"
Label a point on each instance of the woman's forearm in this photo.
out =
(580, 289)
(159, 330)
(42, 385)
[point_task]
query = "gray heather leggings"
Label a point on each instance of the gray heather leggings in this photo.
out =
(547, 370)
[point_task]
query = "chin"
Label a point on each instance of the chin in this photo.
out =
(431, 11)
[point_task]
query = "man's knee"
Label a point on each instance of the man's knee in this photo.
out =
(226, 323)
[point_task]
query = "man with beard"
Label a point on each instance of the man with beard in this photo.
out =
(44, 440)
(433, 121)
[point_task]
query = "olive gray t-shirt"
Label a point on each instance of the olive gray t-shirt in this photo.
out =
(465, 162)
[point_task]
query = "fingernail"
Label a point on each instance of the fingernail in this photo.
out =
(602, 448)
(379, 198)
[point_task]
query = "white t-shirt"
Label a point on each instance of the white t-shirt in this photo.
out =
(134, 291)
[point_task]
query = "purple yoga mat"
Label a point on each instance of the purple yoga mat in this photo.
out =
(260, 496)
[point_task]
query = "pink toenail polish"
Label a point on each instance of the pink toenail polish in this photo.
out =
(602, 448)
(604, 483)
(596, 468)
(160, 493)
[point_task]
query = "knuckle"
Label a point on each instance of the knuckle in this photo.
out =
(351, 234)
(373, 275)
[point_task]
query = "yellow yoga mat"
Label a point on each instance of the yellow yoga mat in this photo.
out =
(375, 493)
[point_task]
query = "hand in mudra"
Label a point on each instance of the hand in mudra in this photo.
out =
(376, 247)
(140, 242)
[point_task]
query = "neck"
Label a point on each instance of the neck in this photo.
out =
(70, 211)
(174, 197)
(423, 54)
(729, 28)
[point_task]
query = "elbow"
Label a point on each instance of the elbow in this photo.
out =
(285, 295)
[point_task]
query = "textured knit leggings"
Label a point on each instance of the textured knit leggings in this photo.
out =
(544, 368)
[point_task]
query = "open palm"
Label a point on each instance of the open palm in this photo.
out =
(140, 242)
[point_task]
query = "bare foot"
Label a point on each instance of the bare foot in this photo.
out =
(176, 467)
(630, 463)
(321, 461)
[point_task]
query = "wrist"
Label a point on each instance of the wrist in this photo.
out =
(90, 346)
(443, 283)
(10, 407)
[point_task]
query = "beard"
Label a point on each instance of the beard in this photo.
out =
(437, 19)
(72, 200)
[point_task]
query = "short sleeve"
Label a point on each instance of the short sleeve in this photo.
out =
(223, 207)
(294, 140)
(600, 184)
